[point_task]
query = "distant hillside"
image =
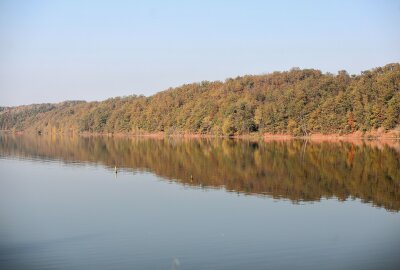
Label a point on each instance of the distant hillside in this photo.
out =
(297, 102)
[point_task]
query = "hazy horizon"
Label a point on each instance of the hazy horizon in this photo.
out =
(166, 89)
(56, 51)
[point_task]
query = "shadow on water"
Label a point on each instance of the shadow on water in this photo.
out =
(298, 170)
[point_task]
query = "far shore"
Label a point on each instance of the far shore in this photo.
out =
(372, 135)
(375, 139)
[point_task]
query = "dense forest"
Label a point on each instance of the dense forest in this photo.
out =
(296, 169)
(298, 102)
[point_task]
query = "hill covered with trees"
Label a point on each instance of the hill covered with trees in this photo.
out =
(296, 102)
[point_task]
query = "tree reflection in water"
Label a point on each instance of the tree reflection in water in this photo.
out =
(295, 169)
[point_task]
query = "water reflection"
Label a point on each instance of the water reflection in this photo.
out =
(297, 170)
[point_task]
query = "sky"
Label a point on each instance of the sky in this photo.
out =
(51, 51)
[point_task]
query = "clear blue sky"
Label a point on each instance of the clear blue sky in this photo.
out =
(52, 51)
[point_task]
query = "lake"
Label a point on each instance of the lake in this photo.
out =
(198, 203)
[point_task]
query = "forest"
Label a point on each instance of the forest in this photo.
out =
(298, 102)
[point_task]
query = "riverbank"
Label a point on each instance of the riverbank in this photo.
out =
(358, 135)
(376, 139)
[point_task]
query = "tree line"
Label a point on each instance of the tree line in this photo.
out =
(297, 102)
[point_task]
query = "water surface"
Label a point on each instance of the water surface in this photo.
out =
(197, 204)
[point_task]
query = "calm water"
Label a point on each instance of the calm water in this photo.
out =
(198, 204)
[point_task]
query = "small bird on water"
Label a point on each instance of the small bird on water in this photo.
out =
(115, 169)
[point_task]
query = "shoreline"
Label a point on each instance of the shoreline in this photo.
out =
(369, 136)
(390, 139)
